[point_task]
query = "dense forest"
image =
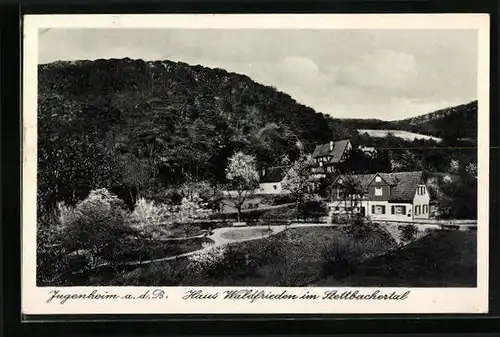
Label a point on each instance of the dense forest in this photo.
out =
(140, 127)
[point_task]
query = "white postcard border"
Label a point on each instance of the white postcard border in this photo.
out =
(420, 300)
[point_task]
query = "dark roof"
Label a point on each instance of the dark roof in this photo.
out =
(362, 179)
(275, 174)
(403, 184)
(337, 152)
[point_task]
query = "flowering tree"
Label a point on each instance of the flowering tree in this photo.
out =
(243, 178)
(190, 211)
(151, 218)
(299, 183)
(471, 168)
(454, 166)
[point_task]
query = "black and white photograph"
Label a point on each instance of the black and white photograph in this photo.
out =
(248, 157)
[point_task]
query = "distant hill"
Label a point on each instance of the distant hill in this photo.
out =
(459, 122)
(152, 124)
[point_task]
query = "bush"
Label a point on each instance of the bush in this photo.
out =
(51, 261)
(313, 208)
(341, 258)
(282, 199)
(98, 225)
(408, 233)
(225, 260)
(149, 217)
(358, 228)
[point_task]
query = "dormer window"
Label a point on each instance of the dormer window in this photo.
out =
(421, 190)
(377, 179)
(378, 191)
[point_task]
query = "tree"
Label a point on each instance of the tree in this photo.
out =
(454, 166)
(352, 193)
(382, 161)
(99, 228)
(471, 168)
(189, 211)
(299, 183)
(137, 174)
(243, 179)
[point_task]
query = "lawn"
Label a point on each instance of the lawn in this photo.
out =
(149, 250)
(441, 259)
(245, 233)
(296, 257)
(290, 258)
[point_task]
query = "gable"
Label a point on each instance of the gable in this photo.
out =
(403, 185)
(339, 149)
(379, 180)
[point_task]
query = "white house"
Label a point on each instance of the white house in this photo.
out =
(271, 180)
(382, 196)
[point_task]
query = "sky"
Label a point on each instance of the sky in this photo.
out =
(384, 74)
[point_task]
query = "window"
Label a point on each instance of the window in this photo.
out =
(337, 193)
(424, 209)
(377, 179)
(417, 210)
(378, 209)
(421, 190)
(378, 191)
(398, 209)
(275, 187)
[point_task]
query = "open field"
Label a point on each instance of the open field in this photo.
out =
(409, 136)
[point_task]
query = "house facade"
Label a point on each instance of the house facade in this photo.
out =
(381, 196)
(271, 180)
(327, 156)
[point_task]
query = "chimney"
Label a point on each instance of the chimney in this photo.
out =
(331, 145)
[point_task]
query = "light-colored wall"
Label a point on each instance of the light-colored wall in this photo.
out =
(268, 188)
(421, 200)
(367, 204)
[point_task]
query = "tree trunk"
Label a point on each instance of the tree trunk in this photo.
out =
(131, 196)
(238, 209)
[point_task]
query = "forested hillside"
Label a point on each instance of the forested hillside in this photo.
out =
(459, 122)
(140, 126)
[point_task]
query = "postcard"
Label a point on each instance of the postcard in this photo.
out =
(257, 163)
